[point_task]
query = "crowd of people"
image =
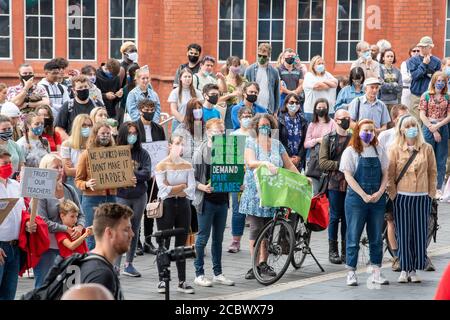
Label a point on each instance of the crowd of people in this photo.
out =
(382, 132)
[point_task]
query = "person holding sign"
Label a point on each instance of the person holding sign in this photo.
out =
(135, 197)
(9, 229)
(93, 196)
(211, 209)
(261, 151)
(49, 211)
(176, 183)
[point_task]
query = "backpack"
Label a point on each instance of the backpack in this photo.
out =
(60, 87)
(61, 277)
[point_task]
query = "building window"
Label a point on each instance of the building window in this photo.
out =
(5, 29)
(122, 26)
(231, 28)
(39, 29)
(349, 29)
(447, 31)
(271, 25)
(310, 28)
(81, 29)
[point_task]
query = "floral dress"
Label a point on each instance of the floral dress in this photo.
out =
(250, 197)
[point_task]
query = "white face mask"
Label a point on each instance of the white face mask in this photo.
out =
(293, 107)
(133, 56)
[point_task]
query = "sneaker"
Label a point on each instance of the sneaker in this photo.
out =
(161, 287)
(139, 252)
(403, 278)
(396, 265)
(352, 280)
(29, 274)
(267, 270)
(222, 280)
(235, 247)
(202, 281)
(413, 277)
(378, 277)
(131, 271)
(438, 195)
(183, 287)
(250, 275)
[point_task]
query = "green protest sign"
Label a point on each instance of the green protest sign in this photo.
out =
(284, 189)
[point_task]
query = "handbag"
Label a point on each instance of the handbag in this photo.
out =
(190, 240)
(155, 207)
(313, 169)
(318, 217)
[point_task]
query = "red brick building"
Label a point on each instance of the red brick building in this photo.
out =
(90, 31)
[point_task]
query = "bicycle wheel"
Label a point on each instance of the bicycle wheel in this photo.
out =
(301, 246)
(276, 241)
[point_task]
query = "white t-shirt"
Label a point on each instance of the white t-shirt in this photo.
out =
(386, 139)
(350, 158)
(185, 97)
(148, 133)
(263, 81)
(312, 95)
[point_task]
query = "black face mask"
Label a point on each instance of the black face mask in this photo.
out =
(148, 116)
(321, 112)
(252, 98)
(289, 60)
(213, 99)
(345, 124)
(27, 77)
(83, 94)
(48, 122)
(193, 59)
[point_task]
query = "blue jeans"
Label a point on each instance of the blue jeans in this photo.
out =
(89, 204)
(43, 267)
(238, 219)
(213, 216)
(9, 271)
(359, 214)
(337, 214)
(440, 151)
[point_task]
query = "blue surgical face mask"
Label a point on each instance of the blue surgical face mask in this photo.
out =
(439, 85)
(367, 55)
(108, 74)
(264, 130)
(131, 139)
(411, 132)
(198, 114)
(85, 132)
(37, 131)
(246, 122)
(320, 68)
(293, 107)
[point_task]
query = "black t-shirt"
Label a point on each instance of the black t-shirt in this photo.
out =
(65, 118)
(216, 197)
(290, 78)
(102, 272)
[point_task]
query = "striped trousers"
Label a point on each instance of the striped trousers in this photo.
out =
(411, 225)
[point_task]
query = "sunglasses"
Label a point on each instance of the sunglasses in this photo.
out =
(262, 56)
(415, 50)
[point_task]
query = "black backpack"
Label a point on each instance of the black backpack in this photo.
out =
(61, 277)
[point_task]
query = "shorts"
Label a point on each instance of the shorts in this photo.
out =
(256, 225)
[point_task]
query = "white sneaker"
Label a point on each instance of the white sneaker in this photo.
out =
(413, 277)
(222, 280)
(202, 281)
(162, 287)
(403, 278)
(352, 280)
(377, 276)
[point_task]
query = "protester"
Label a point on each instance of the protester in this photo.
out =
(370, 66)
(245, 116)
(176, 183)
(318, 84)
(108, 81)
(211, 95)
(206, 74)
(9, 230)
(292, 130)
(406, 77)
(94, 92)
(383, 45)
(11, 111)
(263, 150)
(250, 94)
(412, 195)
(435, 114)
(7, 142)
(365, 165)
(370, 107)
(129, 57)
(3, 93)
(391, 78)
(33, 145)
(291, 77)
(267, 78)
(63, 64)
(49, 209)
(180, 96)
(130, 85)
(212, 208)
(374, 52)
(100, 137)
(53, 137)
(353, 90)
(91, 291)
(98, 114)
(193, 53)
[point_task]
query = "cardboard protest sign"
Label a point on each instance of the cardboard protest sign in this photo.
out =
(227, 163)
(157, 150)
(111, 167)
(6, 205)
(38, 183)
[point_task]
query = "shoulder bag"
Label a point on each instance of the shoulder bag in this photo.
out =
(155, 207)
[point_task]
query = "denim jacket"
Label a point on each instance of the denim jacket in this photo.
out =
(136, 95)
(274, 85)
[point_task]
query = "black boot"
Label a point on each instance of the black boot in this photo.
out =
(333, 253)
(343, 252)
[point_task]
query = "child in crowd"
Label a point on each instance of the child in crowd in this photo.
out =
(68, 212)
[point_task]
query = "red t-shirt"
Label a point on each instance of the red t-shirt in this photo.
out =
(63, 250)
(443, 290)
(53, 141)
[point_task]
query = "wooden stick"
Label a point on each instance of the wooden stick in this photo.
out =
(34, 204)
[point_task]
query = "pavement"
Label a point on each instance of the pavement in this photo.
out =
(305, 283)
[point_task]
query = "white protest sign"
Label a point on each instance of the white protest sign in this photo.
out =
(6, 205)
(157, 150)
(38, 183)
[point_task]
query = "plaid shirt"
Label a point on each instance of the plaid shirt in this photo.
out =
(35, 90)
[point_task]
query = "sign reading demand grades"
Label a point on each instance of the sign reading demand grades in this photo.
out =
(227, 165)
(111, 167)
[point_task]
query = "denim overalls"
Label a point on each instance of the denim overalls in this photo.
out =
(358, 213)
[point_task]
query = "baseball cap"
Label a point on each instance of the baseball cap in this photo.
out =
(372, 81)
(425, 42)
(9, 109)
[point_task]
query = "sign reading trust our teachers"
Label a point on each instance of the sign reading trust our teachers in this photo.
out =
(38, 183)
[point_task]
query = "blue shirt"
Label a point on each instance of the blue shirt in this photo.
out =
(421, 73)
(235, 111)
(376, 111)
(346, 95)
(136, 95)
(209, 114)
